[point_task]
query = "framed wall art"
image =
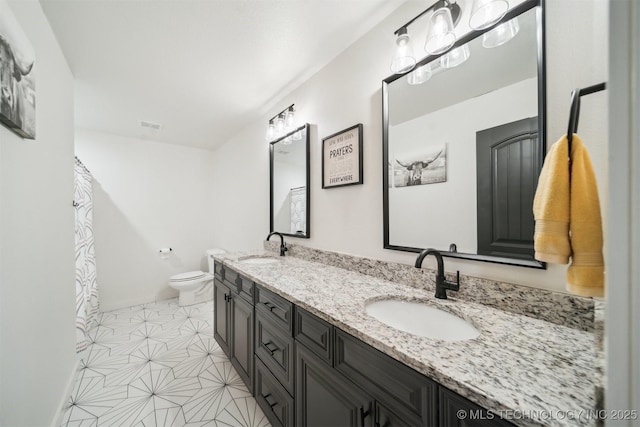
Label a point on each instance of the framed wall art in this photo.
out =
(17, 76)
(342, 158)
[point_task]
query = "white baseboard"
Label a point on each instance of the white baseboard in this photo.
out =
(57, 419)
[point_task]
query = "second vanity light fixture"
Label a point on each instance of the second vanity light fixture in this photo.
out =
(281, 124)
(441, 36)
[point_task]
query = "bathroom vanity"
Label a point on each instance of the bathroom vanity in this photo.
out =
(299, 336)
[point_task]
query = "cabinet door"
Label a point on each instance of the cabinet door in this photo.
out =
(324, 398)
(456, 411)
(386, 417)
(241, 333)
(221, 296)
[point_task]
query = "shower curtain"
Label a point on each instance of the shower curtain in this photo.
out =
(86, 284)
(298, 210)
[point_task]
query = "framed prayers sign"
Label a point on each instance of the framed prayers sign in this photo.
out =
(342, 158)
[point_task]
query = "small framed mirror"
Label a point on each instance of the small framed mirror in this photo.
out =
(289, 193)
(464, 142)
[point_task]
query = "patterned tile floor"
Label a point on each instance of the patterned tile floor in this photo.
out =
(159, 365)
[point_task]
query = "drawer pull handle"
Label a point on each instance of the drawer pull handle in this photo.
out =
(227, 297)
(266, 399)
(363, 415)
(271, 350)
(269, 305)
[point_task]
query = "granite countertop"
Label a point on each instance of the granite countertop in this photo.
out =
(530, 371)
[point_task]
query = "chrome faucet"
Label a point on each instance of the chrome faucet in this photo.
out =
(441, 284)
(283, 245)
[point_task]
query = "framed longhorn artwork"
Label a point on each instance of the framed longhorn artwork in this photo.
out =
(427, 166)
(17, 76)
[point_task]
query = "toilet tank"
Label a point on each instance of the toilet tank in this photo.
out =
(210, 261)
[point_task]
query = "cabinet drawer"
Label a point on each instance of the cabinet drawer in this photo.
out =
(242, 285)
(277, 309)
(314, 333)
(275, 350)
(394, 384)
(274, 400)
(218, 270)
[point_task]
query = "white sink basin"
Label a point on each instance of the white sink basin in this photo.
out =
(421, 319)
(258, 260)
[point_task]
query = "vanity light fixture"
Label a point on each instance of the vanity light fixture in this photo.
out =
(271, 131)
(485, 13)
(455, 57)
(441, 37)
(419, 75)
(289, 119)
(501, 34)
(281, 124)
(403, 57)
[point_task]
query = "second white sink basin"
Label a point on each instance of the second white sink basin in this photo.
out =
(421, 319)
(258, 260)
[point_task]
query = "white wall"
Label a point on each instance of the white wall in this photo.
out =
(37, 256)
(348, 91)
(147, 195)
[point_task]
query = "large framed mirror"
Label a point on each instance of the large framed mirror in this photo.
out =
(462, 151)
(289, 193)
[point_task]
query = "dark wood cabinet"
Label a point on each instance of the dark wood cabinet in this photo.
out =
(241, 333)
(399, 388)
(325, 398)
(221, 295)
(233, 323)
(274, 400)
(305, 372)
(456, 411)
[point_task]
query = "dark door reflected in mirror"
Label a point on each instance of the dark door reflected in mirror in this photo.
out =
(289, 166)
(463, 150)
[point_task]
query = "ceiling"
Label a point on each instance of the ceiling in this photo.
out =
(202, 69)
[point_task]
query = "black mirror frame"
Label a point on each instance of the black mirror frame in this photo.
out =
(306, 128)
(542, 127)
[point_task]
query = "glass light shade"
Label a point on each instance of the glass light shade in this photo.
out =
(288, 140)
(455, 57)
(440, 36)
(501, 34)
(280, 125)
(297, 136)
(271, 131)
(419, 75)
(403, 57)
(288, 119)
(485, 13)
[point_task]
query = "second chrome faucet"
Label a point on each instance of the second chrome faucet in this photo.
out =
(442, 285)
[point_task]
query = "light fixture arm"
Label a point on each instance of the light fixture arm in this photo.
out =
(451, 4)
(290, 107)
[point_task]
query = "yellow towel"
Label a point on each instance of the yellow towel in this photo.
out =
(566, 208)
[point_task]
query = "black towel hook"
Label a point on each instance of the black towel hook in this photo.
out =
(574, 113)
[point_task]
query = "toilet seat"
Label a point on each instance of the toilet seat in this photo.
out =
(188, 276)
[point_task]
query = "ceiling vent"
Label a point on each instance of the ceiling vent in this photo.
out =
(150, 125)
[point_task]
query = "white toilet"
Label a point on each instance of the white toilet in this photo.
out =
(195, 286)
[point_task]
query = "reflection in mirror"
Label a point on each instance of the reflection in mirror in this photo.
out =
(290, 183)
(464, 148)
